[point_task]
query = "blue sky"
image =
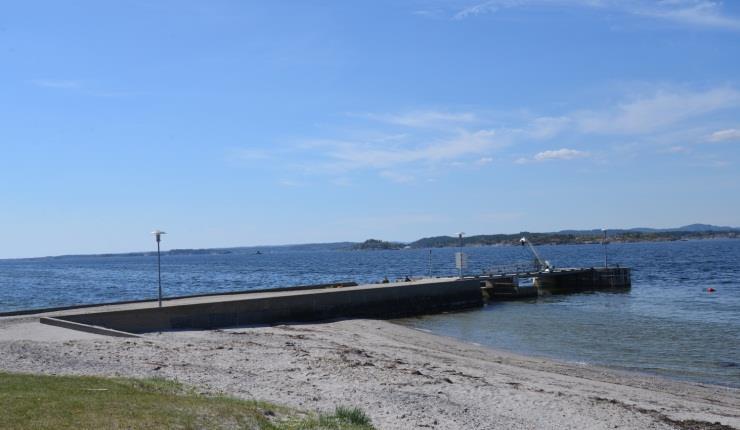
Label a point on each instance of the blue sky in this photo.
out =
(231, 123)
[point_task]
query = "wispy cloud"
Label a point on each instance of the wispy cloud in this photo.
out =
(353, 154)
(425, 118)
(704, 13)
(247, 154)
(678, 149)
(398, 177)
(560, 154)
(57, 83)
(655, 111)
(418, 145)
(555, 154)
(724, 135)
(547, 127)
(291, 183)
(478, 9)
(86, 88)
(694, 12)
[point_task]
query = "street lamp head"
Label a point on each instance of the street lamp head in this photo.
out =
(157, 234)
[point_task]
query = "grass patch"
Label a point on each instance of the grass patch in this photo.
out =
(82, 402)
(355, 416)
(343, 418)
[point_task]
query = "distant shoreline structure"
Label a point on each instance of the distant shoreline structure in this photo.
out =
(563, 237)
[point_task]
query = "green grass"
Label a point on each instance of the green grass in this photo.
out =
(80, 402)
(343, 418)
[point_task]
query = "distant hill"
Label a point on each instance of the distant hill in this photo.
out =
(371, 244)
(566, 237)
(562, 237)
(705, 227)
(334, 246)
(686, 228)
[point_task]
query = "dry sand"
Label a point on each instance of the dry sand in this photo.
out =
(403, 378)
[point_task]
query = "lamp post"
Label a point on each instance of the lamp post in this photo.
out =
(605, 242)
(158, 236)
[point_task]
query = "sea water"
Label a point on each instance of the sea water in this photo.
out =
(667, 324)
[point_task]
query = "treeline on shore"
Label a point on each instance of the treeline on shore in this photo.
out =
(549, 239)
(564, 237)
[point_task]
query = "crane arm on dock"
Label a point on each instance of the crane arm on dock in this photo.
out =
(543, 263)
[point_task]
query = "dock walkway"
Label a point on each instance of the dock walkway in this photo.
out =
(326, 302)
(228, 310)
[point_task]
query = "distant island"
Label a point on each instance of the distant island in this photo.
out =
(377, 244)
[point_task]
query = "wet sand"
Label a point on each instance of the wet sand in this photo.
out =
(403, 378)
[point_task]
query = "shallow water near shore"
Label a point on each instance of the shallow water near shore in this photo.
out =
(668, 324)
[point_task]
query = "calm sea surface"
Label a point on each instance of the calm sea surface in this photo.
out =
(668, 324)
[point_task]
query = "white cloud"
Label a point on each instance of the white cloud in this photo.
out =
(724, 135)
(477, 9)
(704, 13)
(677, 149)
(364, 154)
(429, 13)
(425, 119)
(560, 154)
(417, 145)
(694, 12)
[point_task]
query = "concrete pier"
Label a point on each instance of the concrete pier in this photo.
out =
(216, 311)
(325, 302)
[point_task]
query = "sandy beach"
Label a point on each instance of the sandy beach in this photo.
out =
(403, 378)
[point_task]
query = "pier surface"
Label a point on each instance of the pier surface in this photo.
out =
(229, 310)
(326, 302)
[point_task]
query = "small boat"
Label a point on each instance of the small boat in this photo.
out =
(524, 282)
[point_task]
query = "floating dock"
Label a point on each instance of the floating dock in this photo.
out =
(523, 285)
(326, 302)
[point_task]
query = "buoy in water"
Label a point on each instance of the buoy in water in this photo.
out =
(711, 290)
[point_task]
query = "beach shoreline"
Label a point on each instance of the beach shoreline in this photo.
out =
(402, 377)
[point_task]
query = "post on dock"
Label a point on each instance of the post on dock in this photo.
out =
(158, 237)
(430, 263)
(604, 242)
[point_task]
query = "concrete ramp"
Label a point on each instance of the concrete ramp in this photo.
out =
(209, 312)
